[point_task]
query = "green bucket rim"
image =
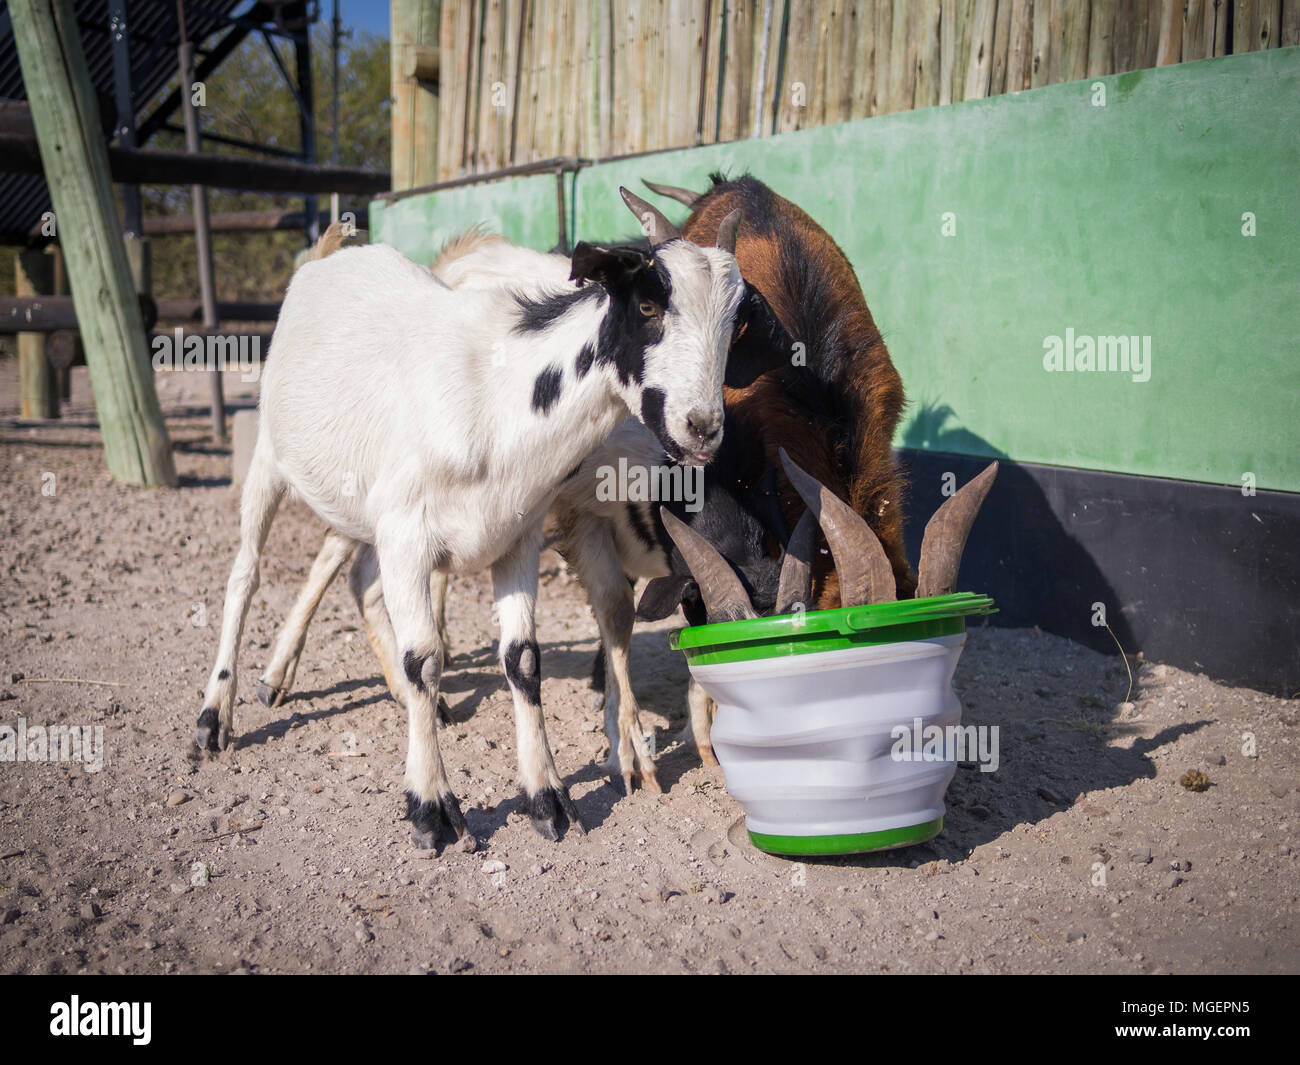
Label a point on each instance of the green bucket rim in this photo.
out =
(829, 630)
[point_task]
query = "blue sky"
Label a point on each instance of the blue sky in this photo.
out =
(370, 15)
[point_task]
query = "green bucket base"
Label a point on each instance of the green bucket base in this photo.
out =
(855, 843)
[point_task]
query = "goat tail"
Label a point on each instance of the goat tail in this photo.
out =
(462, 244)
(329, 242)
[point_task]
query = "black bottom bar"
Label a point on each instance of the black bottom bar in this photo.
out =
(1196, 575)
(1223, 1016)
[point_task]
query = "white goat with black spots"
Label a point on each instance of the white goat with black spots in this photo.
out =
(436, 425)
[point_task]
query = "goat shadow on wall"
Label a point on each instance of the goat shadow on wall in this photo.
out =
(1019, 551)
(1054, 707)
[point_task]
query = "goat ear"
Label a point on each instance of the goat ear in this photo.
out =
(762, 344)
(611, 268)
(662, 597)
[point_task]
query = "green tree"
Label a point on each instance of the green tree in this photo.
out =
(248, 100)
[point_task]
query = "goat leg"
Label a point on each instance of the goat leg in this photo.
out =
(263, 491)
(697, 733)
(277, 679)
(514, 586)
(405, 569)
(368, 591)
(590, 548)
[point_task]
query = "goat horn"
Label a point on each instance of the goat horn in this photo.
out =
(673, 192)
(724, 596)
(864, 570)
(945, 536)
(652, 220)
(796, 570)
(727, 232)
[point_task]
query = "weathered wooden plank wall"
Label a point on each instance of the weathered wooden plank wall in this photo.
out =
(525, 80)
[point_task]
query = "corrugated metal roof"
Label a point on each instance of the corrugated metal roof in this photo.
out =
(151, 26)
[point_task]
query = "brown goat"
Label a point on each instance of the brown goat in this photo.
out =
(812, 288)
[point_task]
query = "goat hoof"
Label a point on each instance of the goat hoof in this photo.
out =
(434, 819)
(644, 779)
(211, 735)
(707, 756)
(551, 810)
(268, 696)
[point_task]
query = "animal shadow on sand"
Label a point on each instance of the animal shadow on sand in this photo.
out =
(1054, 705)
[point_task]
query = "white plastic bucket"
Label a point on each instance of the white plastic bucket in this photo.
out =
(820, 747)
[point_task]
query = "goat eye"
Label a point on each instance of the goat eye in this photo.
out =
(648, 309)
(739, 331)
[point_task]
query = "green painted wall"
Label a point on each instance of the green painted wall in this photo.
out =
(521, 209)
(1122, 219)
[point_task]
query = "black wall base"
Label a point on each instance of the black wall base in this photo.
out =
(1195, 575)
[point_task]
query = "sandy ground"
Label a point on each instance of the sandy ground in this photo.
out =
(1082, 853)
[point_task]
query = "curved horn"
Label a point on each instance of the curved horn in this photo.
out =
(724, 596)
(945, 535)
(864, 570)
(681, 195)
(796, 569)
(727, 232)
(653, 223)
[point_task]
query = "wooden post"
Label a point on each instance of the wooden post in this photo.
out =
(1101, 29)
(947, 49)
(1289, 33)
(306, 123)
(965, 14)
(1266, 15)
(1242, 17)
(1074, 40)
(202, 227)
(1169, 43)
(1022, 48)
(62, 368)
(34, 276)
(927, 54)
(139, 253)
(415, 37)
(1001, 49)
(761, 91)
(119, 32)
(1042, 38)
(64, 112)
(880, 75)
(980, 63)
(902, 61)
(1194, 46)
(864, 59)
(1216, 27)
